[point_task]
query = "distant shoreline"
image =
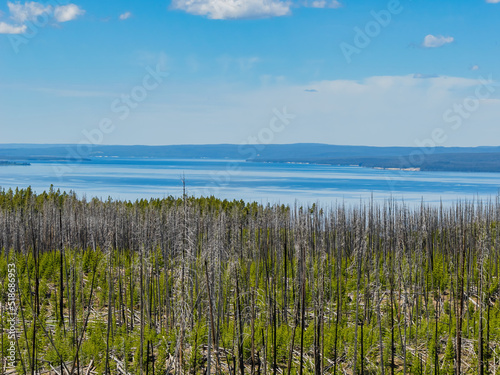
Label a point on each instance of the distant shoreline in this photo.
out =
(4, 163)
(449, 159)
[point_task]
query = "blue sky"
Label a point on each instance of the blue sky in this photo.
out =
(351, 72)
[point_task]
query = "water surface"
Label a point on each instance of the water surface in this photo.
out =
(262, 182)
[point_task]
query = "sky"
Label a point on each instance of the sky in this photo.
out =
(351, 72)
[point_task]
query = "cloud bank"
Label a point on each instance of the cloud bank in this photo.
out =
(379, 110)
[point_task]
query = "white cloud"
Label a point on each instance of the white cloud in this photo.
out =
(10, 29)
(65, 13)
(323, 4)
(28, 11)
(493, 1)
(431, 41)
(475, 67)
(125, 16)
(241, 9)
(234, 9)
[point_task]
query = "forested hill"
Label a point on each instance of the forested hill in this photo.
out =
(485, 159)
(458, 162)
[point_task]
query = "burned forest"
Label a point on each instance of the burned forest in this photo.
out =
(208, 286)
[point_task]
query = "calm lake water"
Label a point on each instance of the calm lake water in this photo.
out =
(261, 182)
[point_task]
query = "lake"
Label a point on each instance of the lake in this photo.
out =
(235, 179)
